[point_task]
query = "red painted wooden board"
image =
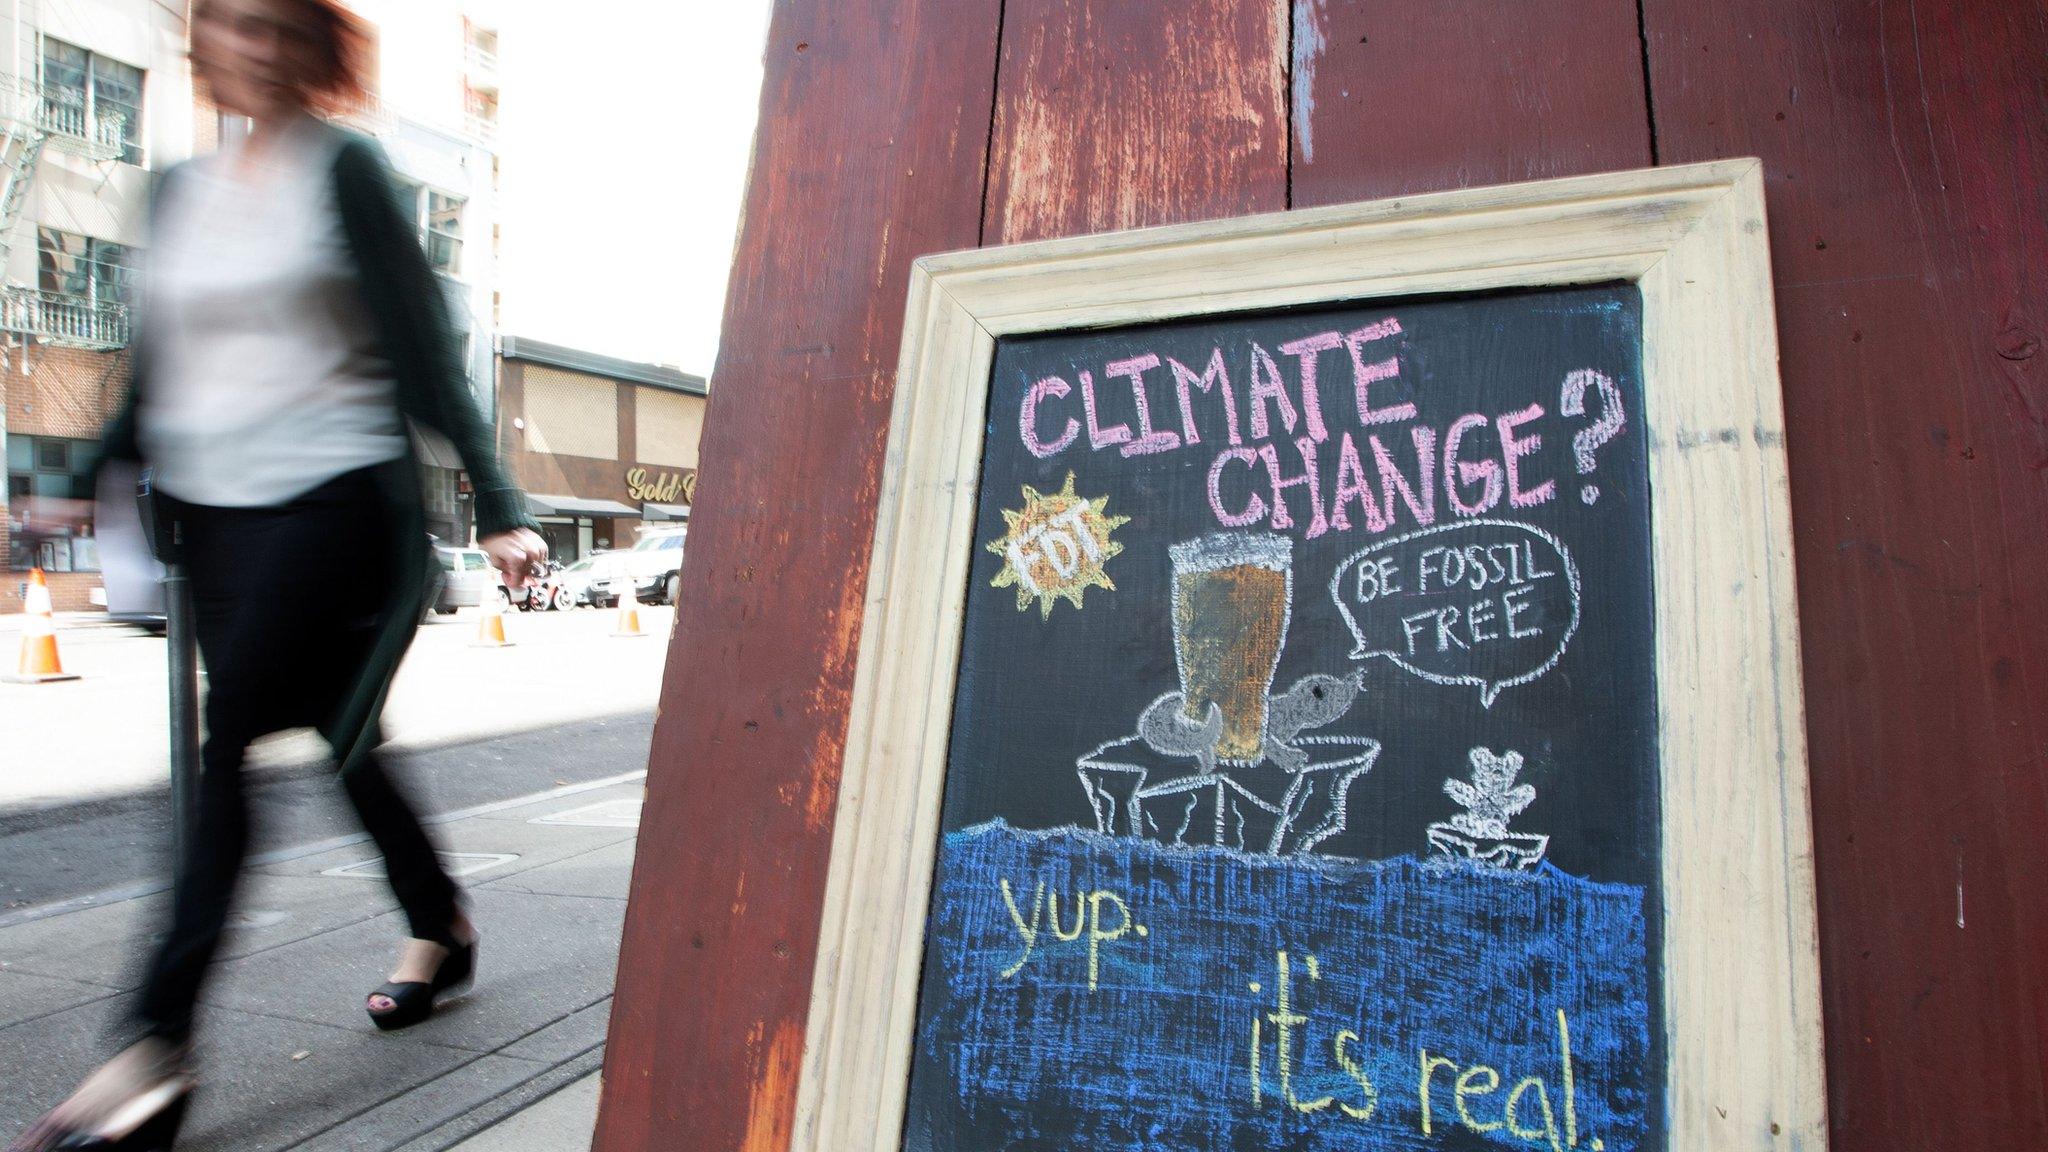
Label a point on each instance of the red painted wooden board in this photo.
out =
(1906, 150)
(1115, 115)
(1403, 96)
(870, 152)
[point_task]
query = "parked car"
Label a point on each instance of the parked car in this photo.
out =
(589, 580)
(654, 564)
(467, 577)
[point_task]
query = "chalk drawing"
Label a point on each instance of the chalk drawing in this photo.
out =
(1262, 988)
(1587, 441)
(1490, 799)
(1056, 547)
(1485, 603)
(1224, 760)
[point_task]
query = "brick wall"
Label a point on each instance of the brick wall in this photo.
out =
(65, 392)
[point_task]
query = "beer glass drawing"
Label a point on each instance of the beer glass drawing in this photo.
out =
(1231, 593)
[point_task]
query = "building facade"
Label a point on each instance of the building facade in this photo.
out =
(604, 447)
(98, 99)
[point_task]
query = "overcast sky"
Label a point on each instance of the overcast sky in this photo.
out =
(624, 133)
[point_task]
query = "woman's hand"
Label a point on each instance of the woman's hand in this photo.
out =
(517, 555)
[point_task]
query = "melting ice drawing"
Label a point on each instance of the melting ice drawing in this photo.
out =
(1490, 800)
(1223, 760)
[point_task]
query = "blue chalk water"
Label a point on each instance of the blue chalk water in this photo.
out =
(1084, 991)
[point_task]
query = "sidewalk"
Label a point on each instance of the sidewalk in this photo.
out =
(289, 1058)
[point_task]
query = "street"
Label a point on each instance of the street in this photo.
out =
(528, 763)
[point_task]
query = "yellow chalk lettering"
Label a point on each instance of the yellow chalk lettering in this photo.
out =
(1356, 1070)
(1028, 931)
(1258, 1096)
(1096, 936)
(1316, 1105)
(1467, 1085)
(1429, 1066)
(1564, 1058)
(1284, 1023)
(1549, 1129)
(1080, 919)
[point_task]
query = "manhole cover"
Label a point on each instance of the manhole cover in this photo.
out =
(455, 863)
(608, 814)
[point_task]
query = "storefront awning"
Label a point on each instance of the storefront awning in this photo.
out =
(655, 511)
(543, 505)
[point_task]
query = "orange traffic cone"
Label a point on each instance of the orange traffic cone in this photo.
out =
(490, 628)
(39, 663)
(629, 612)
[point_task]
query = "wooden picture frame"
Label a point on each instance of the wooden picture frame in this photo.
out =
(1741, 998)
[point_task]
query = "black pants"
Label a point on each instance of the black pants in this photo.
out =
(287, 602)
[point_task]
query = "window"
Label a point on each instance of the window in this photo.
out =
(437, 218)
(85, 267)
(93, 98)
(444, 232)
(49, 504)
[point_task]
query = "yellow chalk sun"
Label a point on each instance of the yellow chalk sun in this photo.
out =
(1056, 547)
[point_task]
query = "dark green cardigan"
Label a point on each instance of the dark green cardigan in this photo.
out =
(410, 317)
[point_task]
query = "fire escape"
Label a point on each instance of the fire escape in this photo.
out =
(34, 117)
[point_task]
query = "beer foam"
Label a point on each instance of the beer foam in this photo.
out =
(1220, 550)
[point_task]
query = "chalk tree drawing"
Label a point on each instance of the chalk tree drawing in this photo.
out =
(1223, 760)
(1490, 799)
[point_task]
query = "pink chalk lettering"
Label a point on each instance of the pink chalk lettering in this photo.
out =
(1254, 510)
(1306, 445)
(1214, 376)
(1420, 496)
(1148, 441)
(1353, 485)
(1308, 350)
(1465, 472)
(1512, 450)
(1365, 375)
(1027, 418)
(1267, 386)
(1098, 436)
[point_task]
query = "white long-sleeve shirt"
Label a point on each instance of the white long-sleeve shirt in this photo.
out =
(266, 379)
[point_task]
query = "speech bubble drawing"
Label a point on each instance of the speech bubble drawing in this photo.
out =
(1490, 603)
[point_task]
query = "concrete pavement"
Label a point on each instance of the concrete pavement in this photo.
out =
(105, 733)
(530, 758)
(290, 1059)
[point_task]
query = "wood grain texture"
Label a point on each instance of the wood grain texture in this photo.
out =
(865, 156)
(1906, 147)
(1116, 115)
(1400, 96)
(1740, 966)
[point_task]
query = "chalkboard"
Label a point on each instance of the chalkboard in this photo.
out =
(1302, 790)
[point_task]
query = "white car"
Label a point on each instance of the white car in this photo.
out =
(467, 577)
(589, 580)
(654, 565)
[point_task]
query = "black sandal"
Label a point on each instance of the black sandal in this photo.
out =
(413, 1001)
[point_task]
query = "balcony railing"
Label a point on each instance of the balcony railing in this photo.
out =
(67, 321)
(100, 133)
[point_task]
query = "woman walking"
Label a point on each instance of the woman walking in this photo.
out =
(292, 329)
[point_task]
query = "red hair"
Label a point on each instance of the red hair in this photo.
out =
(341, 44)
